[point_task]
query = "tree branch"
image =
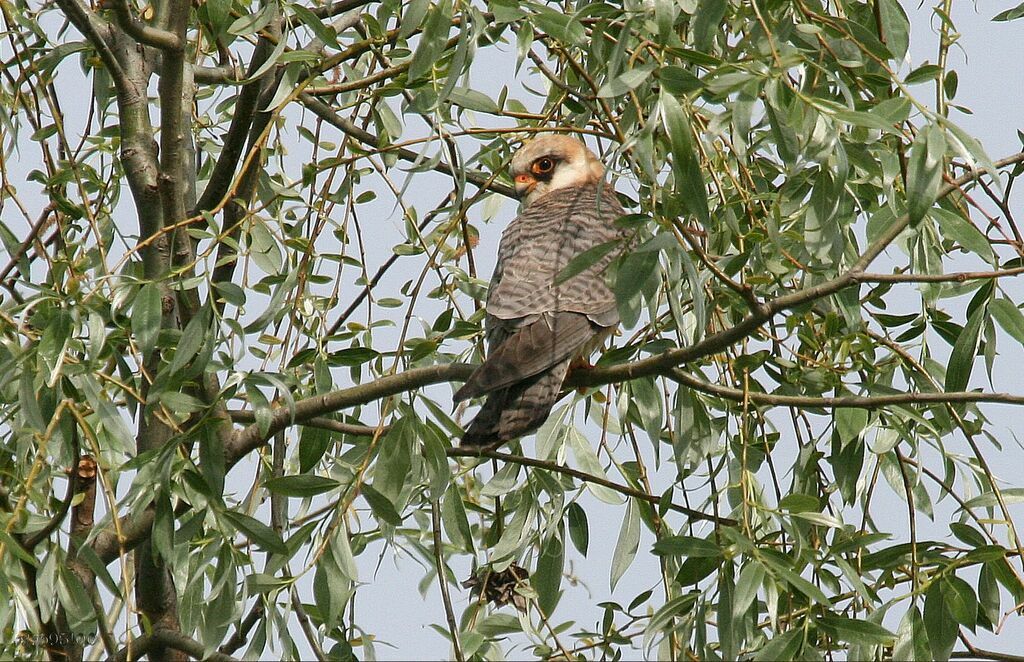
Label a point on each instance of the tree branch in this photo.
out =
(840, 402)
(238, 130)
(955, 277)
(143, 33)
(96, 30)
(169, 639)
(589, 478)
(250, 438)
(242, 416)
(442, 579)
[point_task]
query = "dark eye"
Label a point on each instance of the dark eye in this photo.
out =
(543, 166)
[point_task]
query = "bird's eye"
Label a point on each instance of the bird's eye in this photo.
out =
(543, 166)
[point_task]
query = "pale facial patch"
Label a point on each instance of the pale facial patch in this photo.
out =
(575, 165)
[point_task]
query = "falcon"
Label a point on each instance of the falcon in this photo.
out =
(534, 326)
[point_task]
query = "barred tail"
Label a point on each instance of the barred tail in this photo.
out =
(516, 411)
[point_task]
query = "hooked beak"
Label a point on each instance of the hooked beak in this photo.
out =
(524, 185)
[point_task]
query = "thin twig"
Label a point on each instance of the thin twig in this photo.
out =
(589, 478)
(442, 580)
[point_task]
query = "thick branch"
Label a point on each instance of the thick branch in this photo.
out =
(169, 639)
(238, 131)
(250, 438)
(145, 34)
(97, 31)
(718, 342)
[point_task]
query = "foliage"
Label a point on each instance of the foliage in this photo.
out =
(208, 343)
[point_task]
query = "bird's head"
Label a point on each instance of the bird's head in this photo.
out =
(552, 162)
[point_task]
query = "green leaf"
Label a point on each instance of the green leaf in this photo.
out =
(781, 567)
(783, 647)
(796, 502)
(514, 535)
(584, 261)
(323, 32)
(988, 594)
(301, 485)
(662, 620)
(627, 544)
(961, 359)
(415, 11)
(686, 546)
(962, 231)
(453, 517)
(192, 340)
(626, 81)
(263, 247)
(689, 181)
(257, 532)
(747, 586)
(1010, 14)
(162, 539)
(1009, 317)
(146, 317)
(960, 600)
(924, 171)
(912, 638)
(548, 577)
(472, 100)
(855, 631)
(632, 275)
(395, 460)
(923, 74)
(895, 27)
(587, 459)
(250, 23)
(706, 21)
(678, 81)
(352, 356)
(565, 29)
(850, 423)
(939, 623)
(579, 530)
(989, 499)
(341, 551)
(432, 40)
(313, 443)
(381, 505)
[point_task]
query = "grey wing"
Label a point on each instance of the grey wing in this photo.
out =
(533, 348)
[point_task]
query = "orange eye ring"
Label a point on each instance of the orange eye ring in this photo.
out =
(543, 166)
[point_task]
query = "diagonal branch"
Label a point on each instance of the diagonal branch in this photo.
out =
(843, 401)
(589, 478)
(143, 33)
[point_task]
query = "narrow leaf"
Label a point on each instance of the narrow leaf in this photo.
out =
(689, 181)
(924, 171)
(961, 359)
(146, 317)
(257, 532)
(628, 543)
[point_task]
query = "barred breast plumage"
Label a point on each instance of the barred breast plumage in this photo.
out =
(534, 327)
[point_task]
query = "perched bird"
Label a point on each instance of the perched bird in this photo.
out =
(535, 327)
